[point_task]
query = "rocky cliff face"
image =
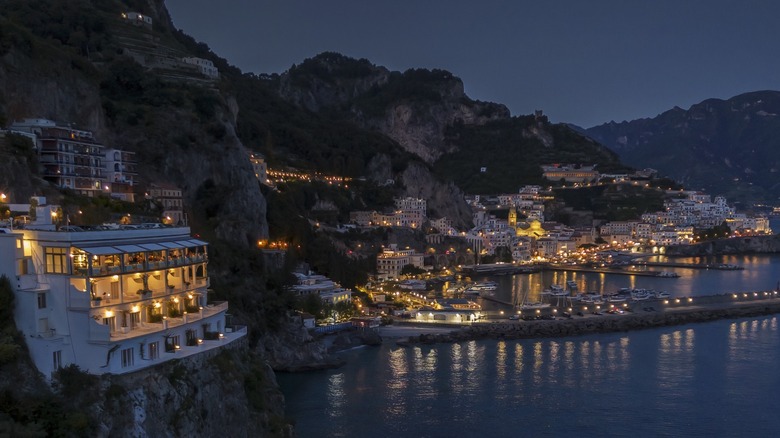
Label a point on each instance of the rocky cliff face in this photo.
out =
(444, 199)
(420, 129)
(414, 108)
(316, 84)
(219, 393)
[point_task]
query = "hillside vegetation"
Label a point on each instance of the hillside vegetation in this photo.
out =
(729, 147)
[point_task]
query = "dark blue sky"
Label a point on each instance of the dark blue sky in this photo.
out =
(584, 62)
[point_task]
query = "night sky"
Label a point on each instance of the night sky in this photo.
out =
(583, 62)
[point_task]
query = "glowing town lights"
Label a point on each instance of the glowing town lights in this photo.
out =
(157, 305)
(176, 300)
(135, 309)
(109, 313)
(666, 301)
(677, 300)
(690, 300)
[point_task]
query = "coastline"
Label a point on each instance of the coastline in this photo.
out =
(593, 324)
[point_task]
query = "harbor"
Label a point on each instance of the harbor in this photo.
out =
(598, 319)
(618, 270)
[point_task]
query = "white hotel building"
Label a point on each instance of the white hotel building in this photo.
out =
(112, 301)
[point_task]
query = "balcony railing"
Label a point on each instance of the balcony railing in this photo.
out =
(144, 328)
(97, 271)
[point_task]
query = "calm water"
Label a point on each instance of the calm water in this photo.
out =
(762, 272)
(711, 379)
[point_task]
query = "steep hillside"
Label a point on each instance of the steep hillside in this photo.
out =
(413, 108)
(729, 147)
(79, 62)
(428, 113)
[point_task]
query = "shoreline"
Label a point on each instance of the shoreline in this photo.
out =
(593, 324)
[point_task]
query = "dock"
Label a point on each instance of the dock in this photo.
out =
(716, 266)
(604, 270)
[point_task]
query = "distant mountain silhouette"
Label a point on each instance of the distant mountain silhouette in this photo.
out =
(729, 147)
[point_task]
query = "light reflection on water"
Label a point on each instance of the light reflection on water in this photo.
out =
(688, 380)
(762, 272)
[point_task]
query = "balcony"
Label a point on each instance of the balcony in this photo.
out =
(146, 328)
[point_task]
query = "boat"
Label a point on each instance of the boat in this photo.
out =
(488, 285)
(417, 285)
(472, 291)
(617, 299)
(558, 291)
(571, 284)
(641, 294)
(663, 294)
(667, 274)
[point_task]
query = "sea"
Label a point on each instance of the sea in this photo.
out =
(709, 379)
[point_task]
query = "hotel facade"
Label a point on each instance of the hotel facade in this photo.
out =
(112, 301)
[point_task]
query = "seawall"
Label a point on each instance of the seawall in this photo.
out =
(591, 324)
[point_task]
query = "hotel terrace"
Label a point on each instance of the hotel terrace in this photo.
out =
(112, 301)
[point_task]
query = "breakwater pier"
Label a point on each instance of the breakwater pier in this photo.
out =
(601, 270)
(717, 266)
(581, 320)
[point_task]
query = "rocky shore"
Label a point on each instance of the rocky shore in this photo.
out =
(591, 324)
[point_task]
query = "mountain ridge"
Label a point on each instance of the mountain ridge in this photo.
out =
(727, 146)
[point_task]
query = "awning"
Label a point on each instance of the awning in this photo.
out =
(190, 243)
(101, 250)
(171, 245)
(130, 248)
(152, 247)
(198, 242)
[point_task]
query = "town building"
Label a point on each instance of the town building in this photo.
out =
(170, 197)
(411, 204)
(570, 173)
(112, 301)
(391, 262)
(205, 66)
(73, 159)
(120, 174)
(328, 290)
(137, 19)
(260, 167)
